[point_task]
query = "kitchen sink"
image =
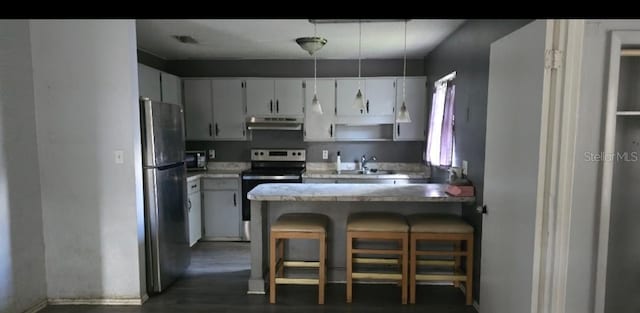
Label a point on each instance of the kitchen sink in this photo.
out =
(370, 172)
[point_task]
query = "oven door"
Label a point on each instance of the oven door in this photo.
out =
(250, 181)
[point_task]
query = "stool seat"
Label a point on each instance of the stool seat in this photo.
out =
(438, 223)
(377, 222)
(301, 222)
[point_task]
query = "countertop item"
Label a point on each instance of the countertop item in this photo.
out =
(354, 192)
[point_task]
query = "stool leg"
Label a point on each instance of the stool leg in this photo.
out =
(349, 267)
(469, 282)
(322, 273)
(405, 266)
(456, 266)
(412, 270)
(280, 244)
(272, 269)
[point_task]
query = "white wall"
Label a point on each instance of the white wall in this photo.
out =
(22, 271)
(86, 91)
(586, 200)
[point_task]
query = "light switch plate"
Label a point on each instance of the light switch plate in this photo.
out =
(325, 154)
(118, 156)
(465, 167)
(212, 154)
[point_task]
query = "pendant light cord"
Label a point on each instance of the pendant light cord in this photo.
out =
(404, 70)
(315, 88)
(359, 51)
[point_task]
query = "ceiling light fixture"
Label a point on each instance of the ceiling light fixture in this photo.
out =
(359, 101)
(403, 114)
(311, 44)
(185, 39)
(316, 107)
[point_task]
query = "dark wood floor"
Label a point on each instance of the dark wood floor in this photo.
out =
(216, 281)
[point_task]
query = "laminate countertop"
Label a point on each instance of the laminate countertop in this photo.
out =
(354, 192)
(214, 174)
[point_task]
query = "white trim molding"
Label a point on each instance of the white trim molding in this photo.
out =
(114, 301)
(37, 307)
(557, 163)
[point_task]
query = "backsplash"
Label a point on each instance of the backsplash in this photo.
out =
(239, 151)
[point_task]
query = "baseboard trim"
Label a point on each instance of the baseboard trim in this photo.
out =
(116, 301)
(37, 307)
(145, 297)
(475, 303)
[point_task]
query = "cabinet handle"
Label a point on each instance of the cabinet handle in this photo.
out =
(271, 106)
(189, 206)
(398, 129)
(210, 132)
(277, 106)
(331, 130)
(234, 199)
(194, 186)
(367, 106)
(217, 129)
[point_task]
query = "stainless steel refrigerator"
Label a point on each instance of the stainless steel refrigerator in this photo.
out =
(165, 189)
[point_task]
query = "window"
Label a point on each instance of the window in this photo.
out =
(440, 139)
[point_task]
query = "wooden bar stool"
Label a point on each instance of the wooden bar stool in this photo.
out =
(441, 227)
(297, 226)
(378, 226)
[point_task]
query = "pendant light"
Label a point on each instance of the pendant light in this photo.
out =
(315, 103)
(359, 101)
(403, 113)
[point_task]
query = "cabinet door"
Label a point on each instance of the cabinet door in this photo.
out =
(346, 90)
(416, 103)
(170, 88)
(260, 100)
(198, 109)
(195, 218)
(380, 96)
(228, 109)
(149, 82)
(289, 97)
(320, 127)
(222, 214)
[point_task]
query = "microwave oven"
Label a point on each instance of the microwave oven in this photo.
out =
(195, 160)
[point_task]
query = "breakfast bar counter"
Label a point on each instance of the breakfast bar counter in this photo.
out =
(337, 201)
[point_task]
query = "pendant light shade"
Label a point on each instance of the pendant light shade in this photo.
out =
(358, 103)
(403, 113)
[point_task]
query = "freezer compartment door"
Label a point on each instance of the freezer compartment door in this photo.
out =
(162, 133)
(166, 215)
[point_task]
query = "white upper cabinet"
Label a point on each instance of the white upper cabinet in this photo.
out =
(416, 103)
(274, 97)
(149, 82)
(320, 127)
(170, 88)
(198, 109)
(379, 97)
(228, 109)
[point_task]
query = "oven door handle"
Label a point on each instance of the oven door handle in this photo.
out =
(270, 177)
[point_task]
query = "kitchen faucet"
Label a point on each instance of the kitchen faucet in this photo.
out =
(364, 161)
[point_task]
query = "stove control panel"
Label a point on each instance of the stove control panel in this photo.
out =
(278, 155)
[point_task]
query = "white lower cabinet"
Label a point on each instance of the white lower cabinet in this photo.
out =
(195, 211)
(222, 209)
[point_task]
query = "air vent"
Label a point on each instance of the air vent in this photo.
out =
(185, 39)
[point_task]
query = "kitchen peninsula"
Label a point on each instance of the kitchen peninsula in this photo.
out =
(268, 201)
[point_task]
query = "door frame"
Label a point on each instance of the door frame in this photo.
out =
(563, 65)
(618, 38)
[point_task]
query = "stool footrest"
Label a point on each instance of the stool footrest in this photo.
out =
(457, 276)
(445, 253)
(296, 281)
(360, 275)
(375, 251)
(436, 262)
(379, 261)
(301, 264)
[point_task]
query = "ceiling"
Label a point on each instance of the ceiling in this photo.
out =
(275, 39)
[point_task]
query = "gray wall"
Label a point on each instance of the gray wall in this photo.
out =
(466, 51)
(92, 207)
(239, 151)
(22, 270)
(149, 59)
(585, 216)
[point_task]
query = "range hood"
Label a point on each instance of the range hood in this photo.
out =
(274, 123)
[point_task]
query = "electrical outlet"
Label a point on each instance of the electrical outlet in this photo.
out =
(212, 154)
(465, 168)
(325, 154)
(118, 156)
